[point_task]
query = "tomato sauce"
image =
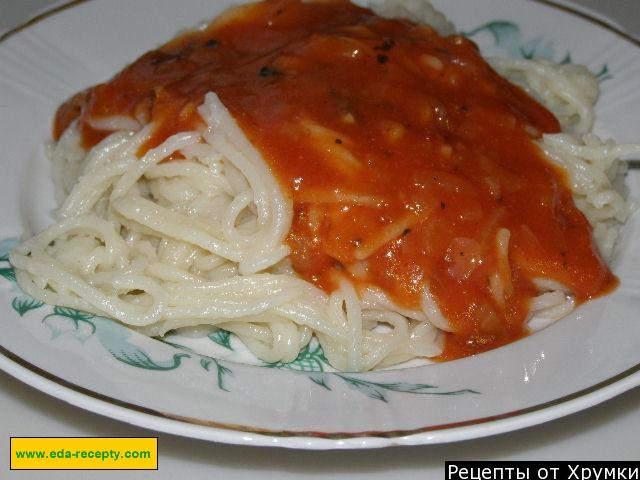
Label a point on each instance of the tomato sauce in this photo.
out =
(405, 154)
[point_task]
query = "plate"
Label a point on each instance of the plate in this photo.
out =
(171, 386)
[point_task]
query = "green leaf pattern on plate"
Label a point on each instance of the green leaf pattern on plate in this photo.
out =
(114, 337)
(377, 390)
(222, 338)
(8, 273)
(310, 359)
(69, 321)
(21, 303)
(507, 36)
(24, 304)
(221, 370)
(205, 362)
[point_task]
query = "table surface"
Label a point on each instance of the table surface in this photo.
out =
(605, 432)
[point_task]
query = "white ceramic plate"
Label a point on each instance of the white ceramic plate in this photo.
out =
(102, 366)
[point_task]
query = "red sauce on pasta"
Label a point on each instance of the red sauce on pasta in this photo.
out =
(407, 157)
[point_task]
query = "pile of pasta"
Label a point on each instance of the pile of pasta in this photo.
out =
(161, 246)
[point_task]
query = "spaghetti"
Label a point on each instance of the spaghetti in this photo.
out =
(312, 168)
